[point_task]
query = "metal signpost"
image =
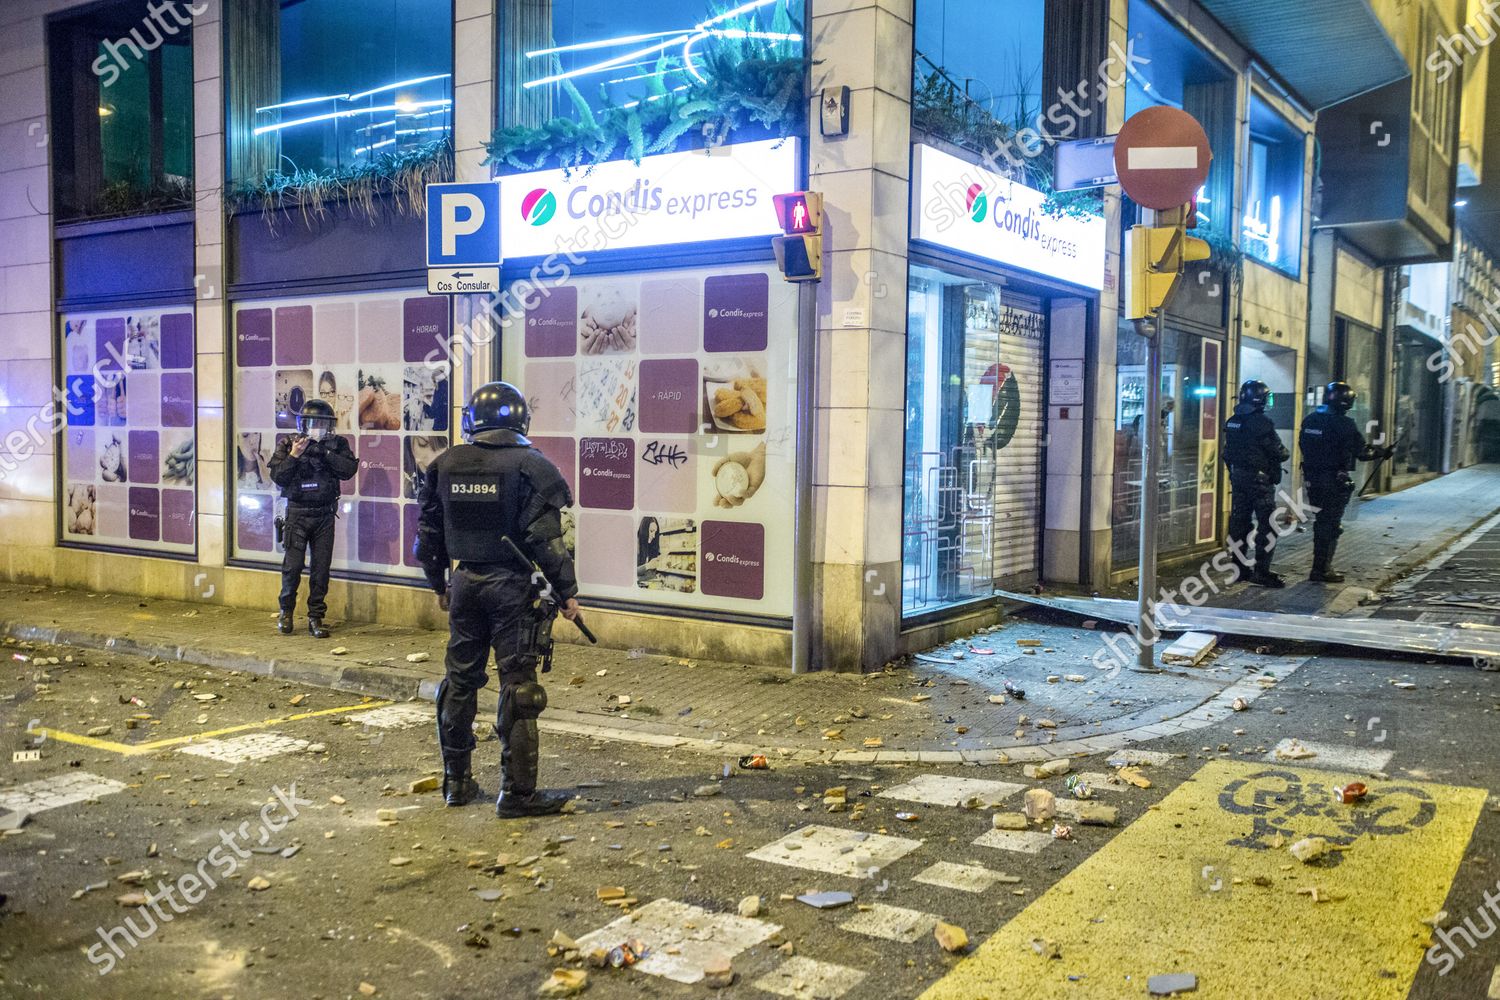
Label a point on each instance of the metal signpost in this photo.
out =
(1162, 159)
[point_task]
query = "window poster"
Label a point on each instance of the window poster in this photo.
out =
(380, 360)
(129, 447)
(668, 400)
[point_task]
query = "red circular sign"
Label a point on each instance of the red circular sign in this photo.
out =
(1162, 157)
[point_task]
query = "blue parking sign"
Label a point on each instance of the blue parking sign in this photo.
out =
(463, 224)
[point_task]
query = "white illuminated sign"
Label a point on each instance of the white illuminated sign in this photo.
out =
(963, 207)
(671, 199)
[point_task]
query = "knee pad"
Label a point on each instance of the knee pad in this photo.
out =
(530, 700)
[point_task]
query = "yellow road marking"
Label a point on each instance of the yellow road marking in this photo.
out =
(1146, 903)
(130, 749)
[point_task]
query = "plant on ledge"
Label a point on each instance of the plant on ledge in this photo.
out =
(741, 84)
(120, 199)
(403, 176)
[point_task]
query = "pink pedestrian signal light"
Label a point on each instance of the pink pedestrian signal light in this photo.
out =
(794, 214)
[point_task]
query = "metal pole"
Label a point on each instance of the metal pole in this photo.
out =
(1151, 329)
(805, 437)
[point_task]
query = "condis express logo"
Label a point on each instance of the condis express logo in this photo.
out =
(539, 206)
(979, 202)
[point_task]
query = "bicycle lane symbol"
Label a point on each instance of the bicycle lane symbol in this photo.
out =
(1280, 802)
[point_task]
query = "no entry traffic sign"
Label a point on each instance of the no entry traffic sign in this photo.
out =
(1162, 157)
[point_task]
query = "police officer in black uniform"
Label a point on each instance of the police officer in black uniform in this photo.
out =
(474, 495)
(1331, 443)
(1254, 453)
(309, 468)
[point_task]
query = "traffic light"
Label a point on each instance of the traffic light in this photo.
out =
(799, 253)
(1154, 260)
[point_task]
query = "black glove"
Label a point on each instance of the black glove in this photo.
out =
(1389, 451)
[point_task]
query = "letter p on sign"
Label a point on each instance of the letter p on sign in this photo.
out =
(463, 225)
(463, 215)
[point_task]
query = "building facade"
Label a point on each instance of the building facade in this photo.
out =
(213, 212)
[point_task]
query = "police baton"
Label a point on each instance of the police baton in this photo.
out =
(541, 577)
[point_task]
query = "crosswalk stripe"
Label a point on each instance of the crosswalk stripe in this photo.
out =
(1204, 883)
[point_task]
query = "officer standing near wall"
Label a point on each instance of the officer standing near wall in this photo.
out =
(1331, 443)
(477, 499)
(308, 468)
(1254, 453)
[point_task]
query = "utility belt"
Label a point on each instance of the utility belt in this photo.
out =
(1247, 474)
(1336, 477)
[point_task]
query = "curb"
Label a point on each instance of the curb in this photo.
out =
(398, 684)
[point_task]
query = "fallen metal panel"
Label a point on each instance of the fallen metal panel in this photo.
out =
(1476, 642)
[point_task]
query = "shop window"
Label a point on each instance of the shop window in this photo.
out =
(380, 360)
(1172, 70)
(336, 88)
(1192, 412)
(668, 401)
(631, 80)
(1271, 230)
(129, 452)
(976, 76)
(972, 507)
(122, 111)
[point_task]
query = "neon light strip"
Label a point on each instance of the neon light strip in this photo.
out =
(607, 64)
(603, 43)
(403, 83)
(348, 113)
(305, 100)
(656, 98)
(688, 36)
(378, 145)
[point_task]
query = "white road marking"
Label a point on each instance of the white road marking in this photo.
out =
(1333, 756)
(836, 852)
(402, 716)
(1021, 841)
(59, 790)
(255, 746)
(890, 923)
(804, 979)
(964, 878)
(696, 934)
(943, 790)
(1162, 158)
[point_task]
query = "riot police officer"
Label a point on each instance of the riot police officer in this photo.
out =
(475, 499)
(308, 468)
(1254, 453)
(1331, 443)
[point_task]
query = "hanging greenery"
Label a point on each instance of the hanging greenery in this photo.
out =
(124, 198)
(742, 84)
(396, 179)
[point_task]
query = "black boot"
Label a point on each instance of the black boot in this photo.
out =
(513, 805)
(1322, 567)
(284, 623)
(459, 786)
(1265, 578)
(1323, 574)
(316, 628)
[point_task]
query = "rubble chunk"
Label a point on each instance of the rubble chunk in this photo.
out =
(950, 937)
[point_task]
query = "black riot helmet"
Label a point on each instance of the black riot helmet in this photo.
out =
(496, 406)
(1340, 396)
(315, 415)
(1256, 393)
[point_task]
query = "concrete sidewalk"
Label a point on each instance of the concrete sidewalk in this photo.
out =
(1385, 537)
(939, 709)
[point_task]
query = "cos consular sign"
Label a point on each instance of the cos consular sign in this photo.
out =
(672, 199)
(963, 207)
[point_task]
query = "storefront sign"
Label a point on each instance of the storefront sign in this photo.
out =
(666, 200)
(966, 208)
(1067, 383)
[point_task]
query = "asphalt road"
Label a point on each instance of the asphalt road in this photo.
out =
(371, 885)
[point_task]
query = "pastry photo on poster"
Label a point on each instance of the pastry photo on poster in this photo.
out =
(668, 398)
